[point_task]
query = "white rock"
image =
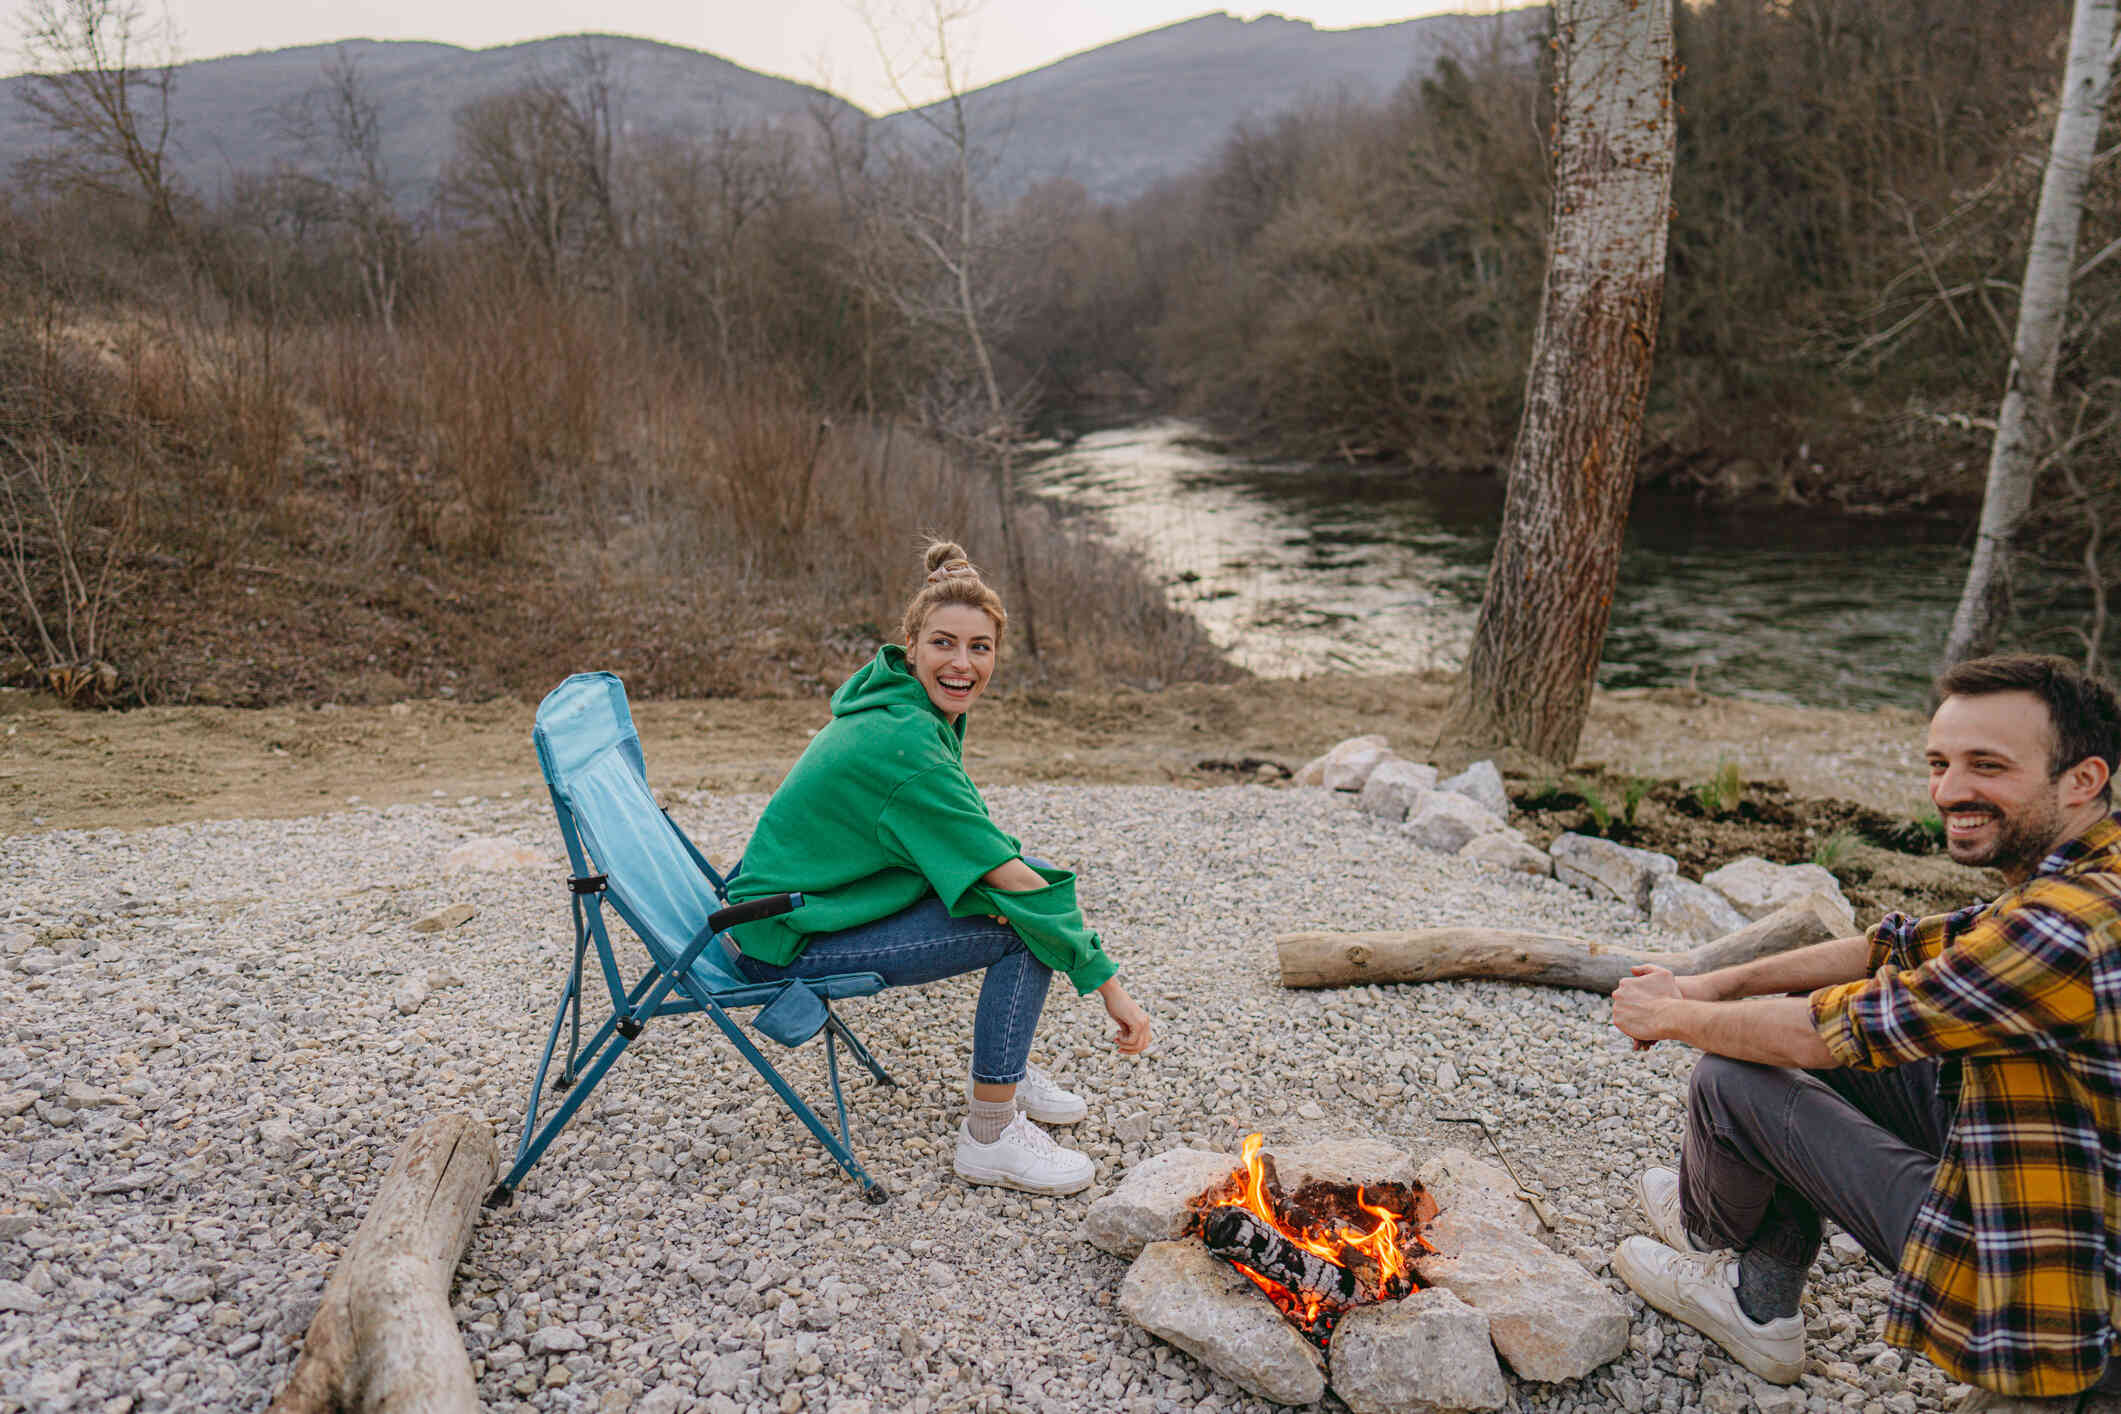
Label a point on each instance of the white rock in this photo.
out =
(1758, 887)
(1429, 1352)
(1340, 1161)
(1679, 905)
(14, 1296)
(278, 1138)
(1349, 764)
(1313, 772)
(410, 996)
(1395, 788)
(189, 1289)
(1153, 1202)
(1482, 782)
(663, 1399)
(1603, 868)
(443, 919)
(1209, 1309)
(1551, 1319)
(1460, 1182)
(1499, 851)
(557, 1340)
(1447, 821)
(487, 854)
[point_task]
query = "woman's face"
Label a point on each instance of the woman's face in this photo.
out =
(953, 656)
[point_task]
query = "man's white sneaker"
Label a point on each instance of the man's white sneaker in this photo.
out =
(1659, 1191)
(1040, 1096)
(1025, 1157)
(1701, 1289)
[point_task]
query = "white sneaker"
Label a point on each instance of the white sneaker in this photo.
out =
(1701, 1289)
(1040, 1096)
(1659, 1191)
(1025, 1158)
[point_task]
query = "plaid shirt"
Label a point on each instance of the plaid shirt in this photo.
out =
(2011, 1270)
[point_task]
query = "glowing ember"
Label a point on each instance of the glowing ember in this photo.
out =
(1360, 1233)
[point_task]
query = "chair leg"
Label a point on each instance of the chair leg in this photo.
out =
(872, 1191)
(604, 1048)
(861, 1052)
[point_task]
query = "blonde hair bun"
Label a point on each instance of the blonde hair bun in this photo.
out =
(951, 579)
(944, 554)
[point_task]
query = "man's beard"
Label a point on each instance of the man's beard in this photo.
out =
(2021, 840)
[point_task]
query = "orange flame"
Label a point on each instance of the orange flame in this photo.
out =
(1381, 1244)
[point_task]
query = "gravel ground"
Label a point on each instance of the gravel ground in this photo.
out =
(203, 1075)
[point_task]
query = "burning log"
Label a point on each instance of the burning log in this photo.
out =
(1237, 1237)
(1440, 954)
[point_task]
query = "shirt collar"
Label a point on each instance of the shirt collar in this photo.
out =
(2097, 849)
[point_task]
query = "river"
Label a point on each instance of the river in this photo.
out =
(1297, 569)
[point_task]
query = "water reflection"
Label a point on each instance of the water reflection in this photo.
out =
(1298, 569)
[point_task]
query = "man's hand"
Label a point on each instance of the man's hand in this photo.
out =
(1639, 1001)
(1133, 1036)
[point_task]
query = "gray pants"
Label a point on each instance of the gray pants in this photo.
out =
(1769, 1150)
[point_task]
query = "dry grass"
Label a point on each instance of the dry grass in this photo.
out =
(517, 485)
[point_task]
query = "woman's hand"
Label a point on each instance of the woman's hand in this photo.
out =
(1133, 1022)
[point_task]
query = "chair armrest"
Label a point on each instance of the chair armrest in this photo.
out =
(723, 919)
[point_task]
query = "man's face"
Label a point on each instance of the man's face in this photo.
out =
(1988, 759)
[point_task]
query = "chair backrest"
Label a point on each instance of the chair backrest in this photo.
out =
(591, 756)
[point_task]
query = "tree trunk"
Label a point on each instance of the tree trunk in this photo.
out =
(384, 1337)
(1440, 954)
(1549, 596)
(2025, 423)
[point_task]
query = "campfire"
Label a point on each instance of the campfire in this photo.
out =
(1321, 1251)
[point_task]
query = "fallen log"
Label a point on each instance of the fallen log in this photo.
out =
(384, 1337)
(1440, 954)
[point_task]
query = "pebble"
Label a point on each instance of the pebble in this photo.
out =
(206, 1072)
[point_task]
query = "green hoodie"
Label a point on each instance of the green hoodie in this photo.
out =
(878, 814)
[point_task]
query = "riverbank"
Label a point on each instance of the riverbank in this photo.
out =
(167, 765)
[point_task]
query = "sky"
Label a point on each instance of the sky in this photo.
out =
(823, 42)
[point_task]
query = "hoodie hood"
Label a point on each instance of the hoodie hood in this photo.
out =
(885, 681)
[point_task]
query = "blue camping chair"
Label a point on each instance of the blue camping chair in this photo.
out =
(627, 852)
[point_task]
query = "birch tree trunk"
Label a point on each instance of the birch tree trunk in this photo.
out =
(1549, 596)
(2025, 423)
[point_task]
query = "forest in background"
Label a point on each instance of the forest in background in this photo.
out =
(685, 401)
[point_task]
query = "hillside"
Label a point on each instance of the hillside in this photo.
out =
(1123, 116)
(225, 109)
(1117, 118)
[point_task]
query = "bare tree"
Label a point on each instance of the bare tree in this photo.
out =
(936, 206)
(2025, 426)
(533, 166)
(99, 78)
(338, 126)
(1549, 598)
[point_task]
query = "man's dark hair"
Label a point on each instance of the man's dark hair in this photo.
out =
(2083, 710)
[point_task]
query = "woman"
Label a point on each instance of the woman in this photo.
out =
(903, 873)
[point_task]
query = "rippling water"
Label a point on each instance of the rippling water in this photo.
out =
(1302, 569)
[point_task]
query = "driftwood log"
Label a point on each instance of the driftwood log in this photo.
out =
(384, 1337)
(1440, 954)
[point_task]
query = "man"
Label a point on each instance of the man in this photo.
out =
(1958, 1112)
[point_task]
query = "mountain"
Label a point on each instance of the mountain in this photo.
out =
(1117, 118)
(1123, 116)
(225, 108)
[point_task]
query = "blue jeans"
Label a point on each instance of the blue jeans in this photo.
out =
(925, 944)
